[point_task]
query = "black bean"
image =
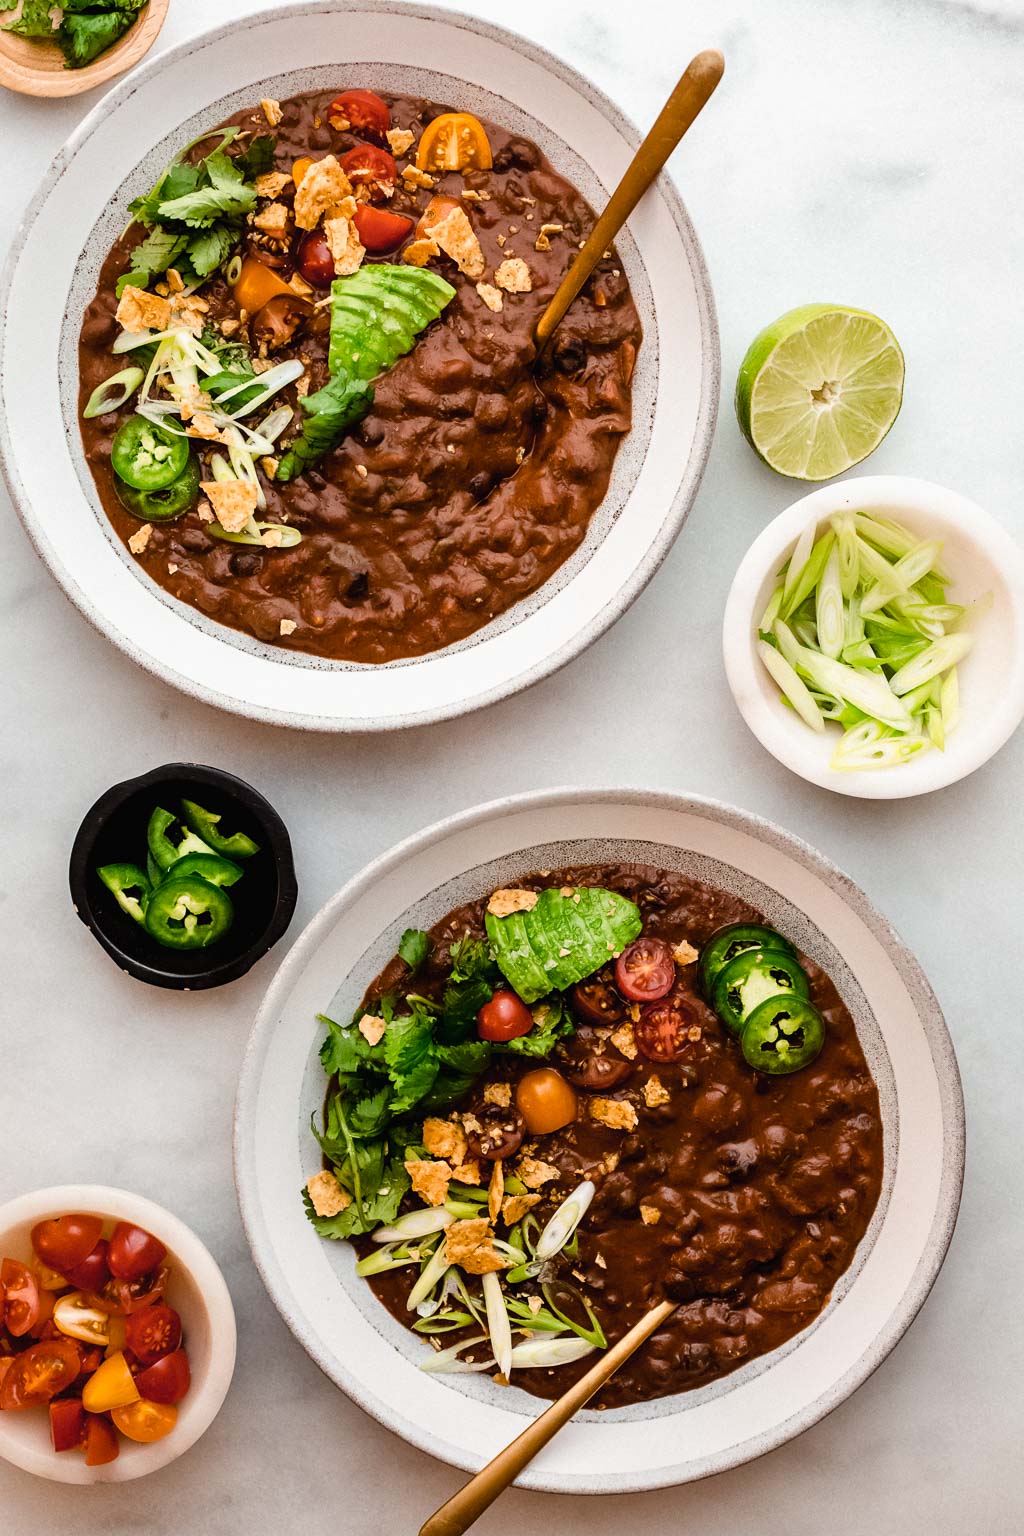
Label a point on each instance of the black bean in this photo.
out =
(244, 563)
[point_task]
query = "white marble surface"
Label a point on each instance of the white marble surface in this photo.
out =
(867, 153)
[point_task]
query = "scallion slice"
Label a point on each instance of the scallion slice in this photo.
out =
(113, 392)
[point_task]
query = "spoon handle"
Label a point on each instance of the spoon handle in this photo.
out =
(699, 79)
(466, 1506)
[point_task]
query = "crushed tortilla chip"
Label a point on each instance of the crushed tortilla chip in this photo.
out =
(468, 1172)
(418, 252)
(491, 296)
(430, 1180)
(300, 287)
(193, 399)
(271, 183)
(273, 220)
(503, 903)
(470, 1244)
(233, 501)
(684, 953)
(514, 275)
(400, 139)
(344, 242)
(655, 1092)
(496, 1190)
(534, 1303)
(616, 1114)
(201, 424)
(624, 1040)
(515, 1207)
(414, 177)
(372, 1028)
(534, 1173)
(498, 1093)
(650, 1215)
(271, 110)
(445, 1138)
(327, 1195)
(140, 539)
(456, 237)
(323, 187)
(139, 311)
(287, 627)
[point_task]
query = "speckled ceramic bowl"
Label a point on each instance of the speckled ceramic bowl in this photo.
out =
(467, 1419)
(82, 207)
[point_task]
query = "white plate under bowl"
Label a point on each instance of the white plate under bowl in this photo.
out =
(196, 1290)
(466, 1419)
(81, 208)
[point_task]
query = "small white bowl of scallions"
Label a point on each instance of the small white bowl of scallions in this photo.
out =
(874, 637)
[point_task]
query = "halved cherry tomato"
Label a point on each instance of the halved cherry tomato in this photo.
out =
(504, 1017)
(64, 1241)
(167, 1380)
(314, 260)
(39, 1373)
(372, 168)
(379, 229)
(92, 1359)
(439, 207)
(646, 970)
(43, 1327)
(77, 1318)
(22, 1304)
(120, 1298)
(49, 1279)
(362, 111)
(545, 1101)
(111, 1385)
(92, 1274)
(100, 1441)
(154, 1332)
(146, 1422)
(662, 1033)
(300, 167)
(67, 1424)
(257, 285)
(133, 1252)
(6, 1362)
(455, 141)
(596, 1002)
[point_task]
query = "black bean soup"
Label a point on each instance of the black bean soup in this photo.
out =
(473, 477)
(741, 1196)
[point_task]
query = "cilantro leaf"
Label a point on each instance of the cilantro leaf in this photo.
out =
(345, 1052)
(469, 1057)
(35, 20)
(414, 946)
(208, 249)
(330, 412)
(157, 251)
(472, 957)
(462, 1002)
(207, 204)
(414, 1084)
(384, 1181)
(131, 280)
(223, 171)
(258, 159)
(369, 1115)
(407, 1041)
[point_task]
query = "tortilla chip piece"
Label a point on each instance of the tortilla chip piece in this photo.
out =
(271, 183)
(271, 110)
(503, 903)
(140, 538)
(616, 1114)
(491, 296)
(495, 1190)
(234, 502)
(345, 245)
(287, 627)
(468, 1172)
(139, 311)
(514, 275)
(323, 187)
(400, 139)
(456, 237)
(430, 1180)
(418, 252)
(273, 220)
(650, 1215)
(470, 1245)
(684, 953)
(515, 1207)
(655, 1092)
(327, 1195)
(624, 1041)
(372, 1028)
(499, 1094)
(534, 1173)
(445, 1138)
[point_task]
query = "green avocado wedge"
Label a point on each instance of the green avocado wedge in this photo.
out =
(562, 939)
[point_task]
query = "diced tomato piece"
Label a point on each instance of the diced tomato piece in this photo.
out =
(92, 1274)
(22, 1305)
(372, 168)
(67, 1423)
(64, 1241)
(39, 1373)
(379, 229)
(100, 1441)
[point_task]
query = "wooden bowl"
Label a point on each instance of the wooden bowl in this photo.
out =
(36, 68)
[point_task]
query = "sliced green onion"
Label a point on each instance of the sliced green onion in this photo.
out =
(830, 620)
(233, 271)
(807, 578)
(904, 575)
(868, 745)
(793, 687)
(416, 1223)
(445, 1321)
(932, 662)
(546, 1354)
(797, 562)
(869, 691)
(383, 1259)
(564, 1222)
(289, 536)
(447, 1362)
(462, 1210)
(949, 700)
(594, 1333)
(113, 392)
(498, 1326)
(936, 730)
(771, 612)
(431, 1275)
(849, 553)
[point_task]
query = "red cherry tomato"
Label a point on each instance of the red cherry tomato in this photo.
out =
(43, 1327)
(92, 1359)
(39, 1373)
(65, 1241)
(595, 1002)
(505, 1017)
(662, 1033)
(153, 1332)
(67, 1424)
(167, 1380)
(23, 1307)
(314, 260)
(133, 1252)
(646, 970)
(379, 229)
(92, 1274)
(362, 111)
(370, 167)
(100, 1441)
(439, 207)
(120, 1298)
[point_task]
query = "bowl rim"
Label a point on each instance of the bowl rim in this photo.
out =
(803, 853)
(710, 367)
(923, 498)
(218, 973)
(191, 1254)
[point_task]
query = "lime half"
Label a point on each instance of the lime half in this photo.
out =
(819, 389)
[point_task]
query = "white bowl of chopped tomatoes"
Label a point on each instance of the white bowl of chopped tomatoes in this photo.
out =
(117, 1335)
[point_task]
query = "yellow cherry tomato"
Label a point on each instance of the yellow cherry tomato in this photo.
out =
(144, 1421)
(545, 1101)
(455, 141)
(110, 1386)
(117, 1335)
(49, 1279)
(257, 284)
(300, 167)
(76, 1316)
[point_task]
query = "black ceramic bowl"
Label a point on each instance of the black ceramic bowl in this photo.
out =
(114, 831)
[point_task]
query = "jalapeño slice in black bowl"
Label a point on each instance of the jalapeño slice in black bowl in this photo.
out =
(728, 942)
(754, 976)
(783, 1034)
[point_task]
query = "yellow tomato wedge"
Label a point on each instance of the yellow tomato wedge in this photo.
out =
(49, 1279)
(257, 285)
(117, 1335)
(300, 167)
(144, 1421)
(455, 141)
(110, 1386)
(76, 1317)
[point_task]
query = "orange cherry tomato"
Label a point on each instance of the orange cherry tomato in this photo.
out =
(455, 141)
(257, 285)
(110, 1386)
(545, 1101)
(362, 111)
(64, 1241)
(100, 1441)
(133, 1252)
(67, 1424)
(39, 1373)
(144, 1421)
(300, 167)
(23, 1306)
(437, 209)
(379, 229)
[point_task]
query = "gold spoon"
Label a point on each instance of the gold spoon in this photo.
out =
(466, 1506)
(695, 86)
